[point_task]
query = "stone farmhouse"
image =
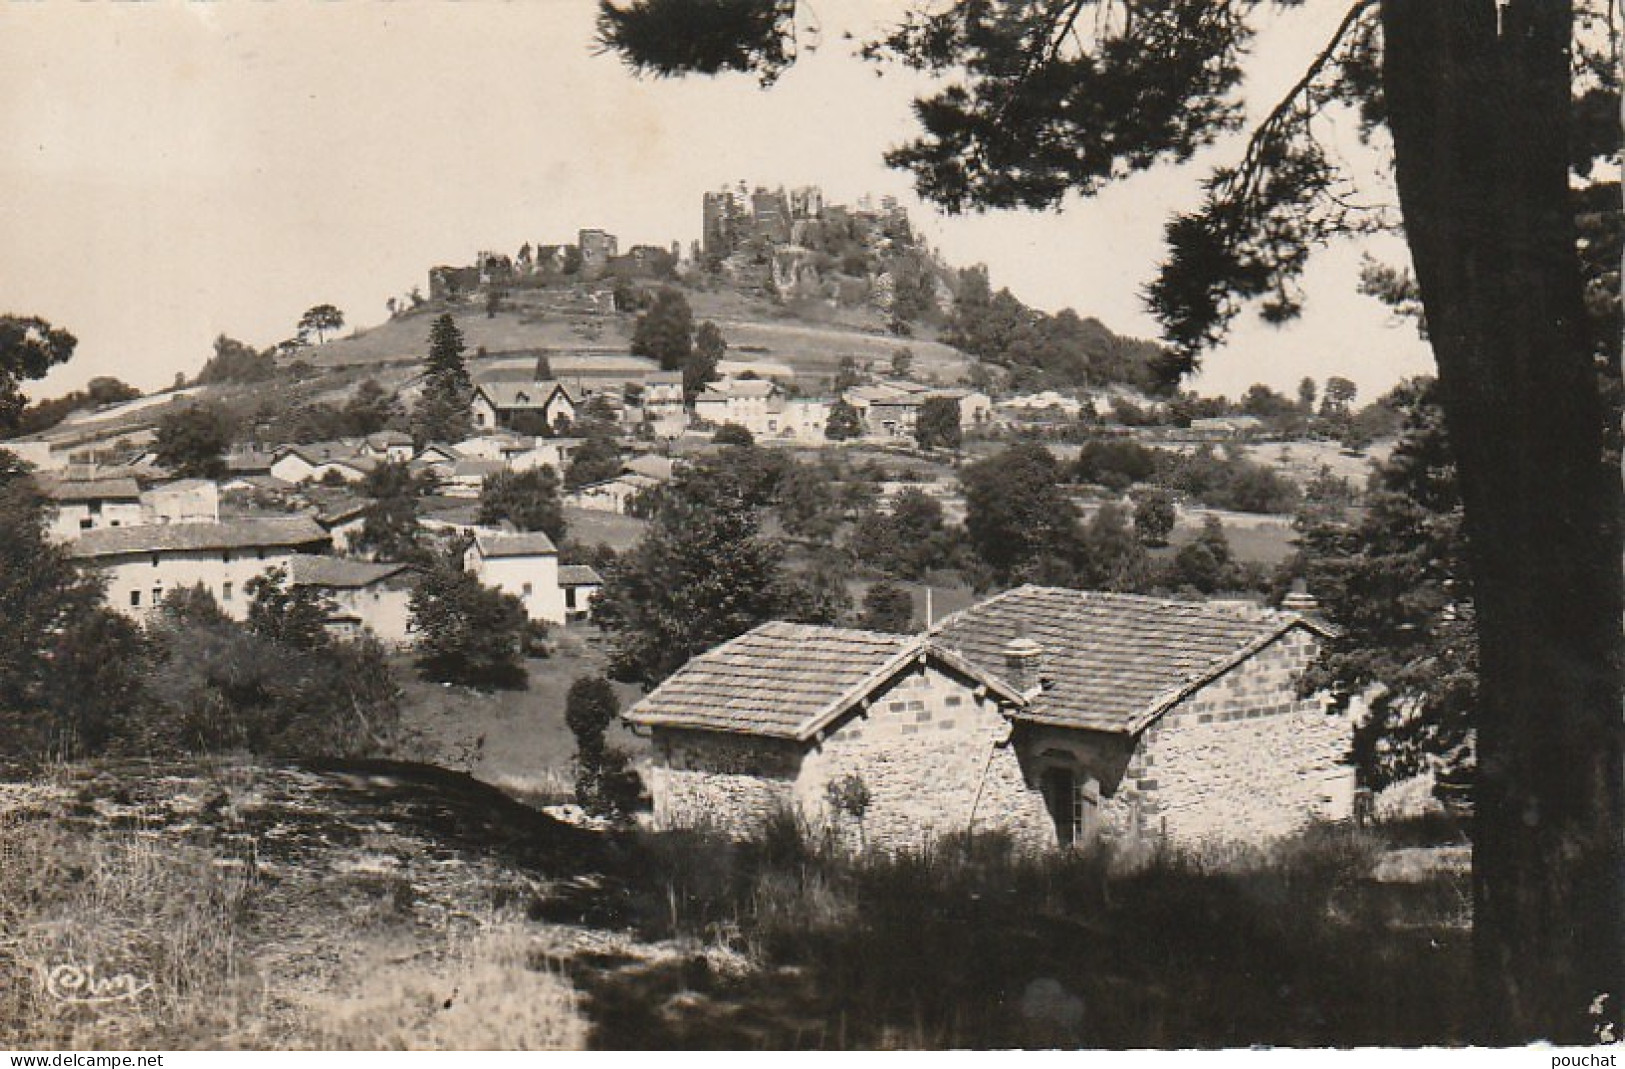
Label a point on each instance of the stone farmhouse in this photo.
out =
(524, 565)
(1058, 717)
(522, 405)
(93, 504)
(366, 597)
(891, 409)
(143, 563)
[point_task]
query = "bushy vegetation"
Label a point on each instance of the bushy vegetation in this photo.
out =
(967, 943)
(467, 633)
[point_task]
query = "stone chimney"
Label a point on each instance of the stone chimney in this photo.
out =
(1024, 665)
(1300, 600)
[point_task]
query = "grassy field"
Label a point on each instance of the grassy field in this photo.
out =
(591, 527)
(515, 739)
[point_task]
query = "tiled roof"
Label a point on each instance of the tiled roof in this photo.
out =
(780, 679)
(529, 544)
(521, 394)
(477, 469)
(579, 575)
(346, 573)
(269, 532)
(250, 463)
(385, 439)
(94, 490)
(652, 466)
(1114, 661)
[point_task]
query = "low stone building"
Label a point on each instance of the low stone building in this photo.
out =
(366, 597)
(1059, 717)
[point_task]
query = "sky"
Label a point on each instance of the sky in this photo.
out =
(177, 169)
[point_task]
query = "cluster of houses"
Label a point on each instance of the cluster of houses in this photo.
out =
(147, 535)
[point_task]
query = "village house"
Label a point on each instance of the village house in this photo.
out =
(367, 598)
(519, 452)
(525, 406)
(92, 504)
(392, 447)
(437, 460)
(613, 495)
(1058, 717)
(181, 501)
(800, 419)
(581, 584)
(524, 565)
(143, 563)
(322, 461)
(891, 409)
(748, 403)
(468, 477)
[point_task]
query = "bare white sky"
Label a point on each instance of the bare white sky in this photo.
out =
(172, 170)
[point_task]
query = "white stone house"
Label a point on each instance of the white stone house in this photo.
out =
(524, 565)
(91, 504)
(498, 404)
(612, 495)
(1058, 717)
(393, 447)
(746, 402)
(182, 501)
(371, 598)
(142, 564)
(581, 584)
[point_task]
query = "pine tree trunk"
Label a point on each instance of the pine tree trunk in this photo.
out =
(1478, 97)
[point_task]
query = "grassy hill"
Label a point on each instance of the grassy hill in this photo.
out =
(810, 338)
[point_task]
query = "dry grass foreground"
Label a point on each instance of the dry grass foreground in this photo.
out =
(393, 906)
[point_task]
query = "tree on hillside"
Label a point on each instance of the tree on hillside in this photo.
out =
(192, 440)
(390, 529)
(1396, 583)
(666, 331)
(322, 319)
(442, 411)
(604, 783)
(937, 425)
(467, 633)
(1489, 108)
(596, 459)
(70, 668)
(701, 366)
(844, 422)
(29, 348)
(1016, 514)
(235, 361)
(1154, 516)
(888, 606)
(370, 409)
(295, 616)
(702, 574)
(527, 499)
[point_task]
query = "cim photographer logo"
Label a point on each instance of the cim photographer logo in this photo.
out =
(69, 982)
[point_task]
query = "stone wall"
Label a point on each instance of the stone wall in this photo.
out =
(1242, 759)
(934, 761)
(732, 783)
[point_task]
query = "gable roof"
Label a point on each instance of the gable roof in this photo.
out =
(1114, 662)
(787, 680)
(278, 532)
(93, 490)
(339, 573)
(579, 575)
(527, 544)
(522, 395)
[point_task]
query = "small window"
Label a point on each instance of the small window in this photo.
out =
(84, 524)
(157, 595)
(525, 590)
(225, 591)
(135, 599)
(155, 560)
(569, 597)
(225, 558)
